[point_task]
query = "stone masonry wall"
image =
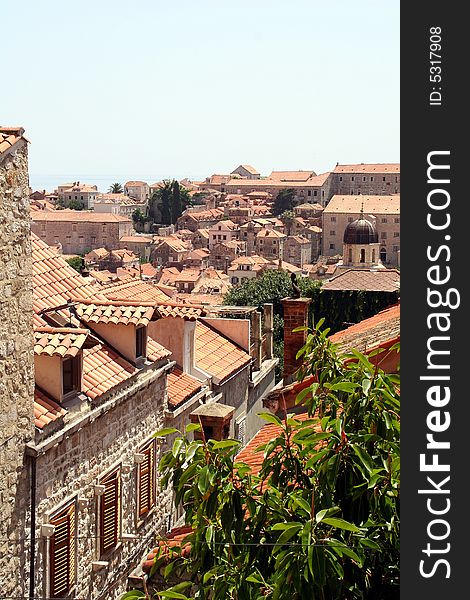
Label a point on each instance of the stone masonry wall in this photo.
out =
(70, 469)
(16, 370)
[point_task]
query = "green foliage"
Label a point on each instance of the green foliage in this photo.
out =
(75, 205)
(320, 520)
(168, 202)
(285, 201)
(288, 218)
(75, 262)
(115, 188)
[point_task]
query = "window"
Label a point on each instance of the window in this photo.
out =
(383, 178)
(383, 255)
(224, 237)
(332, 232)
(332, 246)
(110, 512)
(140, 339)
(146, 480)
(341, 179)
(395, 248)
(309, 192)
(396, 220)
(363, 179)
(74, 227)
(352, 178)
(384, 219)
(363, 255)
(333, 219)
(383, 235)
(373, 256)
(62, 552)
(70, 375)
(396, 234)
(372, 179)
(315, 192)
(350, 255)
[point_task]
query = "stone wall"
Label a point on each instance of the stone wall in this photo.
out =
(16, 369)
(70, 469)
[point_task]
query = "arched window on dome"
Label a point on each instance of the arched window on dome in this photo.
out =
(363, 255)
(350, 255)
(373, 256)
(383, 255)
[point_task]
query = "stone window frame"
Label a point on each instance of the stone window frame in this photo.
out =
(66, 515)
(75, 375)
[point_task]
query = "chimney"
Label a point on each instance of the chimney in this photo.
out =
(295, 315)
(215, 420)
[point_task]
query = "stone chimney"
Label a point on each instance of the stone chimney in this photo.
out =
(215, 419)
(295, 315)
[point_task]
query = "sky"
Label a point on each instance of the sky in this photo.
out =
(111, 90)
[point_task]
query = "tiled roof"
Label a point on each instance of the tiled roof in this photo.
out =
(382, 280)
(292, 175)
(216, 354)
(135, 239)
(204, 215)
(371, 332)
(54, 280)
(72, 216)
(134, 290)
(9, 136)
(183, 311)
(368, 168)
(134, 184)
(270, 233)
(372, 204)
(103, 276)
(173, 539)
(59, 341)
(269, 432)
(103, 369)
(110, 311)
(46, 410)
(248, 168)
(156, 351)
(181, 386)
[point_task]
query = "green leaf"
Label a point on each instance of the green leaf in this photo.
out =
(366, 385)
(303, 504)
(326, 512)
(166, 431)
(171, 594)
(270, 418)
(343, 386)
(341, 524)
(176, 446)
(255, 579)
(132, 595)
(225, 444)
(288, 533)
(364, 457)
(203, 480)
(193, 427)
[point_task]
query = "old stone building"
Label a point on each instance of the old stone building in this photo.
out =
(78, 193)
(16, 362)
(269, 243)
(139, 190)
(80, 231)
(297, 250)
(170, 252)
(366, 179)
(246, 171)
(382, 211)
(119, 204)
(223, 231)
(199, 218)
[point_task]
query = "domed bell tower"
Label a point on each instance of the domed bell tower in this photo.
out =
(361, 244)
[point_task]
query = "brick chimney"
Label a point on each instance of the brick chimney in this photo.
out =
(295, 315)
(215, 419)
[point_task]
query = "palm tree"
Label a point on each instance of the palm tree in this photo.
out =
(115, 188)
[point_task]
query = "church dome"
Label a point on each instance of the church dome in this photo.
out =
(361, 231)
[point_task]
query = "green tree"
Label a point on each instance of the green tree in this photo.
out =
(75, 205)
(320, 520)
(288, 218)
(285, 201)
(115, 188)
(76, 262)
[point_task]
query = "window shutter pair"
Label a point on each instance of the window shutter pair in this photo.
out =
(147, 480)
(110, 512)
(62, 552)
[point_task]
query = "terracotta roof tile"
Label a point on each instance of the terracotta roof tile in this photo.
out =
(351, 204)
(368, 168)
(181, 386)
(115, 312)
(156, 351)
(184, 311)
(104, 369)
(59, 341)
(382, 280)
(71, 216)
(216, 354)
(9, 136)
(46, 410)
(173, 539)
(134, 290)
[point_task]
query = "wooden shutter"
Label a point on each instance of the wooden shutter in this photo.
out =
(110, 512)
(147, 479)
(62, 552)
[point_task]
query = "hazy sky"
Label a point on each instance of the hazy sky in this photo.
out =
(114, 90)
